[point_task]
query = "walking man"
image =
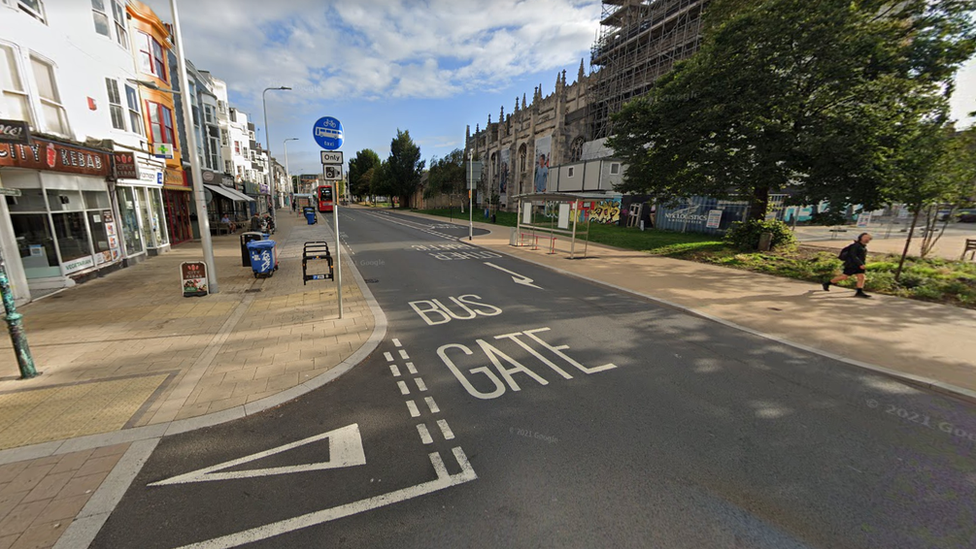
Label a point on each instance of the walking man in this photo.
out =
(855, 257)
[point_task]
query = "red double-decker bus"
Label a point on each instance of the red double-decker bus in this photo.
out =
(325, 198)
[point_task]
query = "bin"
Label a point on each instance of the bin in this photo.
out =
(245, 238)
(311, 218)
(264, 258)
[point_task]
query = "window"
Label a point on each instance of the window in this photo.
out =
(55, 119)
(237, 147)
(614, 168)
(151, 57)
(571, 171)
(101, 17)
(228, 167)
(135, 118)
(121, 25)
(115, 104)
(160, 122)
(214, 153)
(223, 139)
(208, 114)
(33, 7)
(15, 101)
(220, 107)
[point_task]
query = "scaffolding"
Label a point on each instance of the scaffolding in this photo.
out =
(639, 41)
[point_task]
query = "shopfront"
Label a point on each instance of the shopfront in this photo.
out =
(139, 194)
(63, 221)
(176, 204)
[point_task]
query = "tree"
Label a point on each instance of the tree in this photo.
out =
(447, 175)
(813, 96)
(403, 168)
(365, 160)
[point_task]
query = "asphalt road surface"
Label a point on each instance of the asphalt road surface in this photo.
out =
(511, 406)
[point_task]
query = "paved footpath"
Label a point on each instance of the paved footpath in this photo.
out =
(926, 344)
(126, 359)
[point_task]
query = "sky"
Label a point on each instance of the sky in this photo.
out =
(430, 67)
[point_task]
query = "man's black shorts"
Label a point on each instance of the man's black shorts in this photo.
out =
(851, 270)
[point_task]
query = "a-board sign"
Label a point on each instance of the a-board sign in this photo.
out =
(714, 219)
(194, 279)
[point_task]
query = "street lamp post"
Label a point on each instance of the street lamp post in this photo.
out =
(267, 137)
(191, 136)
(288, 173)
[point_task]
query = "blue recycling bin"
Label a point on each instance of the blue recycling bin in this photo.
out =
(311, 218)
(264, 257)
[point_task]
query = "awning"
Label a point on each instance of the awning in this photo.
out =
(229, 193)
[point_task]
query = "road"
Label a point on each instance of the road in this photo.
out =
(511, 406)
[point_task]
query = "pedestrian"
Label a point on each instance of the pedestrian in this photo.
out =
(855, 257)
(255, 222)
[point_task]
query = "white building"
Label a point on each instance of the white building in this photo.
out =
(68, 70)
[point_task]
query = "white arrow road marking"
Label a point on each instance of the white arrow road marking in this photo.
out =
(444, 480)
(517, 278)
(345, 450)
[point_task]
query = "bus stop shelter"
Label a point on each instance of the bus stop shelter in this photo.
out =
(549, 216)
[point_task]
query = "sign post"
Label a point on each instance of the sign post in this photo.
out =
(327, 132)
(16, 326)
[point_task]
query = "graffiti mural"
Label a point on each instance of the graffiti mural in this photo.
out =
(606, 211)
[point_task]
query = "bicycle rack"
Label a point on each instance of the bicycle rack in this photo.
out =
(314, 250)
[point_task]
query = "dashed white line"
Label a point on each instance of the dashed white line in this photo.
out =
(388, 357)
(395, 370)
(404, 390)
(424, 434)
(445, 429)
(411, 368)
(432, 405)
(412, 406)
(421, 386)
(396, 343)
(404, 355)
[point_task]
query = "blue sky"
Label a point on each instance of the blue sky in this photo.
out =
(427, 66)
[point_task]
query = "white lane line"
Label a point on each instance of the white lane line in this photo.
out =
(411, 368)
(421, 386)
(432, 405)
(412, 406)
(396, 343)
(444, 480)
(404, 390)
(395, 370)
(424, 434)
(404, 355)
(388, 357)
(445, 429)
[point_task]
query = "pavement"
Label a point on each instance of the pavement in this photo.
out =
(125, 358)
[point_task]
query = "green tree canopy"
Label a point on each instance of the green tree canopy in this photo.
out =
(364, 163)
(403, 168)
(815, 96)
(447, 175)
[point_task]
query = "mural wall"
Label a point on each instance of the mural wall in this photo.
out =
(543, 153)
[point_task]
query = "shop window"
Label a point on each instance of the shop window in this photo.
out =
(62, 200)
(151, 57)
(161, 123)
(101, 18)
(121, 24)
(99, 233)
(16, 102)
(35, 245)
(33, 7)
(30, 200)
(130, 221)
(135, 117)
(158, 217)
(96, 200)
(115, 104)
(69, 229)
(55, 119)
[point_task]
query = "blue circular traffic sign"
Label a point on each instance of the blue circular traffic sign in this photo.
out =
(327, 132)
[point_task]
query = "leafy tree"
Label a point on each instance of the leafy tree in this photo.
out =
(447, 175)
(814, 96)
(403, 168)
(365, 160)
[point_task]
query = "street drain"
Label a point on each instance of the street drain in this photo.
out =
(372, 280)
(252, 290)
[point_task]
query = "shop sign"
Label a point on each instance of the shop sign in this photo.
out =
(14, 131)
(50, 155)
(78, 264)
(263, 187)
(174, 178)
(125, 165)
(194, 279)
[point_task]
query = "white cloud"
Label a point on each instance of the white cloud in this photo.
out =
(371, 49)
